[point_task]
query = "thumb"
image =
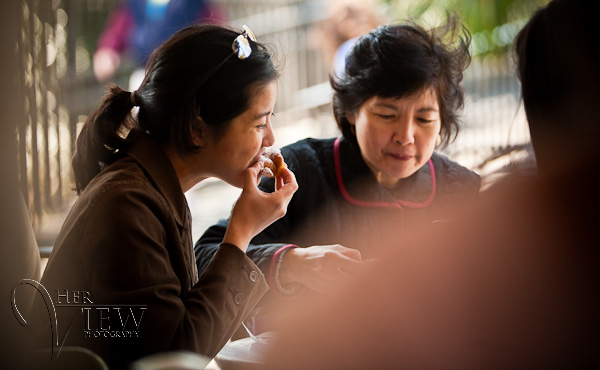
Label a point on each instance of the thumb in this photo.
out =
(286, 183)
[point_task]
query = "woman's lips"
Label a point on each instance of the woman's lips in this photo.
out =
(401, 157)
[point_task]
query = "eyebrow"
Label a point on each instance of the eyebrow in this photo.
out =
(427, 109)
(261, 115)
(393, 107)
(386, 105)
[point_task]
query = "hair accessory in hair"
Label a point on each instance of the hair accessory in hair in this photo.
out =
(241, 44)
(241, 48)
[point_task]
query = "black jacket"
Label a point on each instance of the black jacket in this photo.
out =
(319, 213)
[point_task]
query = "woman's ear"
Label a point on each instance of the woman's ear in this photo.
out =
(198, 132)
(351, 117)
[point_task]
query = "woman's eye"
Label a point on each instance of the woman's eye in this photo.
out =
(386, 116)
(264, 125)
(425, 121)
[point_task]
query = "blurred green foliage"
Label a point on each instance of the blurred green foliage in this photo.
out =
(493, 23)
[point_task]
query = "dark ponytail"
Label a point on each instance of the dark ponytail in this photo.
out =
(102, 138)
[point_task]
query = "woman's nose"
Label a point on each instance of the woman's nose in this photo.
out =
(404, 133)
(269, 138)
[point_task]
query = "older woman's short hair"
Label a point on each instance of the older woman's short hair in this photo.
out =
(398, 60)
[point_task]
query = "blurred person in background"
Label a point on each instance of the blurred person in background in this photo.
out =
(558, 63)
(511, 285)
(205, 110)
(347, 20)
(137, 27)
(399, 97)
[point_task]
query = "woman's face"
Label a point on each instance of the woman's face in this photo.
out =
(245, 138)
(397, 136)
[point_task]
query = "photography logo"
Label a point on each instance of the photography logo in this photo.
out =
(100, 321)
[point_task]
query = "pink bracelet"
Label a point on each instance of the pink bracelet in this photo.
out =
(274, 270)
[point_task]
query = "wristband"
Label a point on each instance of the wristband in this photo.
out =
(274, 272)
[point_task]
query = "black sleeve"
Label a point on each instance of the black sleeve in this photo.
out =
(302, 160)
(208, 243)
(206, 246)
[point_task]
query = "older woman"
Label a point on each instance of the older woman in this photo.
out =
(122, 271)
(398, 98)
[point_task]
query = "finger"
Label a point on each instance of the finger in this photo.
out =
(348, 252)
(287, 176)
(349, 265)
(334, 263)
(278, 182)
(251, 177)
(287, 188)
(289, 180)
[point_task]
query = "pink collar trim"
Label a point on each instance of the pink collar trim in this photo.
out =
(361, 203)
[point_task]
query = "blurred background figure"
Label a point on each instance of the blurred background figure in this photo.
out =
(346, 21)
(558, 57)
(137, 27)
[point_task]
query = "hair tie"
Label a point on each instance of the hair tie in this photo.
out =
(132, 97)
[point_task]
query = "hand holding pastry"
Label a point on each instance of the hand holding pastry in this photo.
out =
(255, 209)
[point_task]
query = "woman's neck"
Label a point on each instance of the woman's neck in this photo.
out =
(188, 176)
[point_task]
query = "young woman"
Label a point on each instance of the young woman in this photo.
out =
(398, 98)
(123, 266)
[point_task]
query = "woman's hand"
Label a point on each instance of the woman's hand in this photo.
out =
(255, 209)
(320, 267)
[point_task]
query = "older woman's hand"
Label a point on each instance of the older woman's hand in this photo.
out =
(320, 267)
(255, 209)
